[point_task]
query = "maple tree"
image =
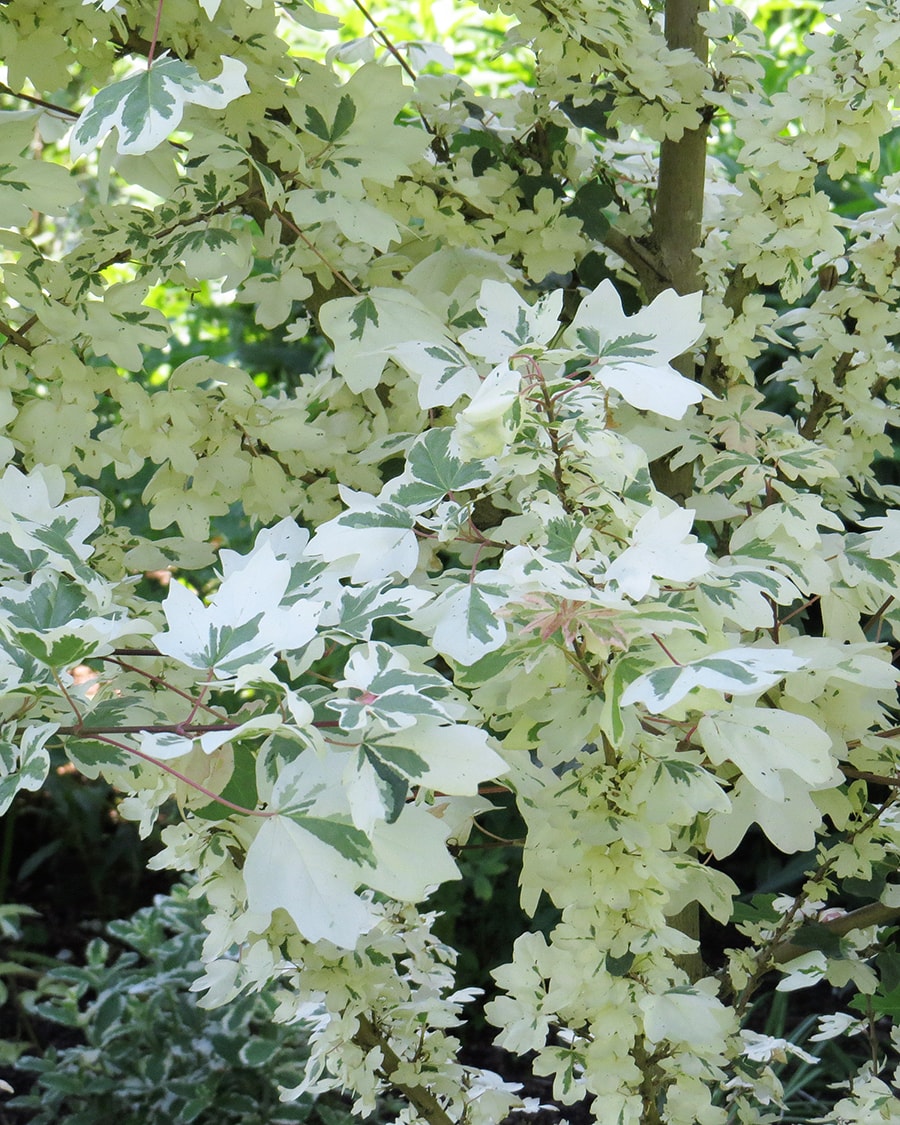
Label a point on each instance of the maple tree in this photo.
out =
(644, 584)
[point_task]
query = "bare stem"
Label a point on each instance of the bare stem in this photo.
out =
(32, 100)
(379, 31)
(292, 226)
(420, 1097)
(219, 800)
(154, 40)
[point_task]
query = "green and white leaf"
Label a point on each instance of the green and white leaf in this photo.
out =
(370, 541)
(365, 330)
(443, 372)
(361, 608)
(289, 867)
(432, 471)
(467, 622)
(661, 547)
(735, 671)
(147, 107)
(24, 764)
(245, 622)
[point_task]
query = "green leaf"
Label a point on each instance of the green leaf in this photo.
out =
(240, 789)
(587, 205)
(619, 966)
(364, 312)
(812, 935)
(315, 123)
(343, 118)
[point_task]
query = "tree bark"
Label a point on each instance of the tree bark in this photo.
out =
(678, 213)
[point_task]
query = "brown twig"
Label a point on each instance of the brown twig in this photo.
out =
(420, 1097)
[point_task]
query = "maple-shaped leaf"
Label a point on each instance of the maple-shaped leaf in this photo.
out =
(387, 691)
(790, 822)
(146, 107)
(443, 372)
(366, 329)
(245, 622)
(468, 626)
(373, 539)
(510, 324)
(661, 547)
(290, 867)
(763, 743)
(633, 353)
(433, 470)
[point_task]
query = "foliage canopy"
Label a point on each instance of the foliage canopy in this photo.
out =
(546, 515)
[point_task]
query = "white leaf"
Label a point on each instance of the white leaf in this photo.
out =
(366, 329)
(244, 623)
(484, 428)
(661, 547)
(468, 626)
(357, 220)
(370, 541)
(511, 324)
(458, 757)
(165, 745)
(443, 372)
(411, 855)
(790, 823)
(633, 352)
(659, 389)
(763, 743)
(289, 868)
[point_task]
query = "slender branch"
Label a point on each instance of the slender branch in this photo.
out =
(872, 914)
(154, 679)
(52, 106)
(155, 39)
(82, 730)
(379, 31)
(677, 663)
(822, 400)
(765, 955)
(421, 1098)
(68, 698)
(556, 448)
(166, 768)
(292, 226)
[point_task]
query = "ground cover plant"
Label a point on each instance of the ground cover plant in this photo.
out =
(561, 483)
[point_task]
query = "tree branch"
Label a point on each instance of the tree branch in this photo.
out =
(14, 336)
(425, 1103)
(32, 100)
(872, 914)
